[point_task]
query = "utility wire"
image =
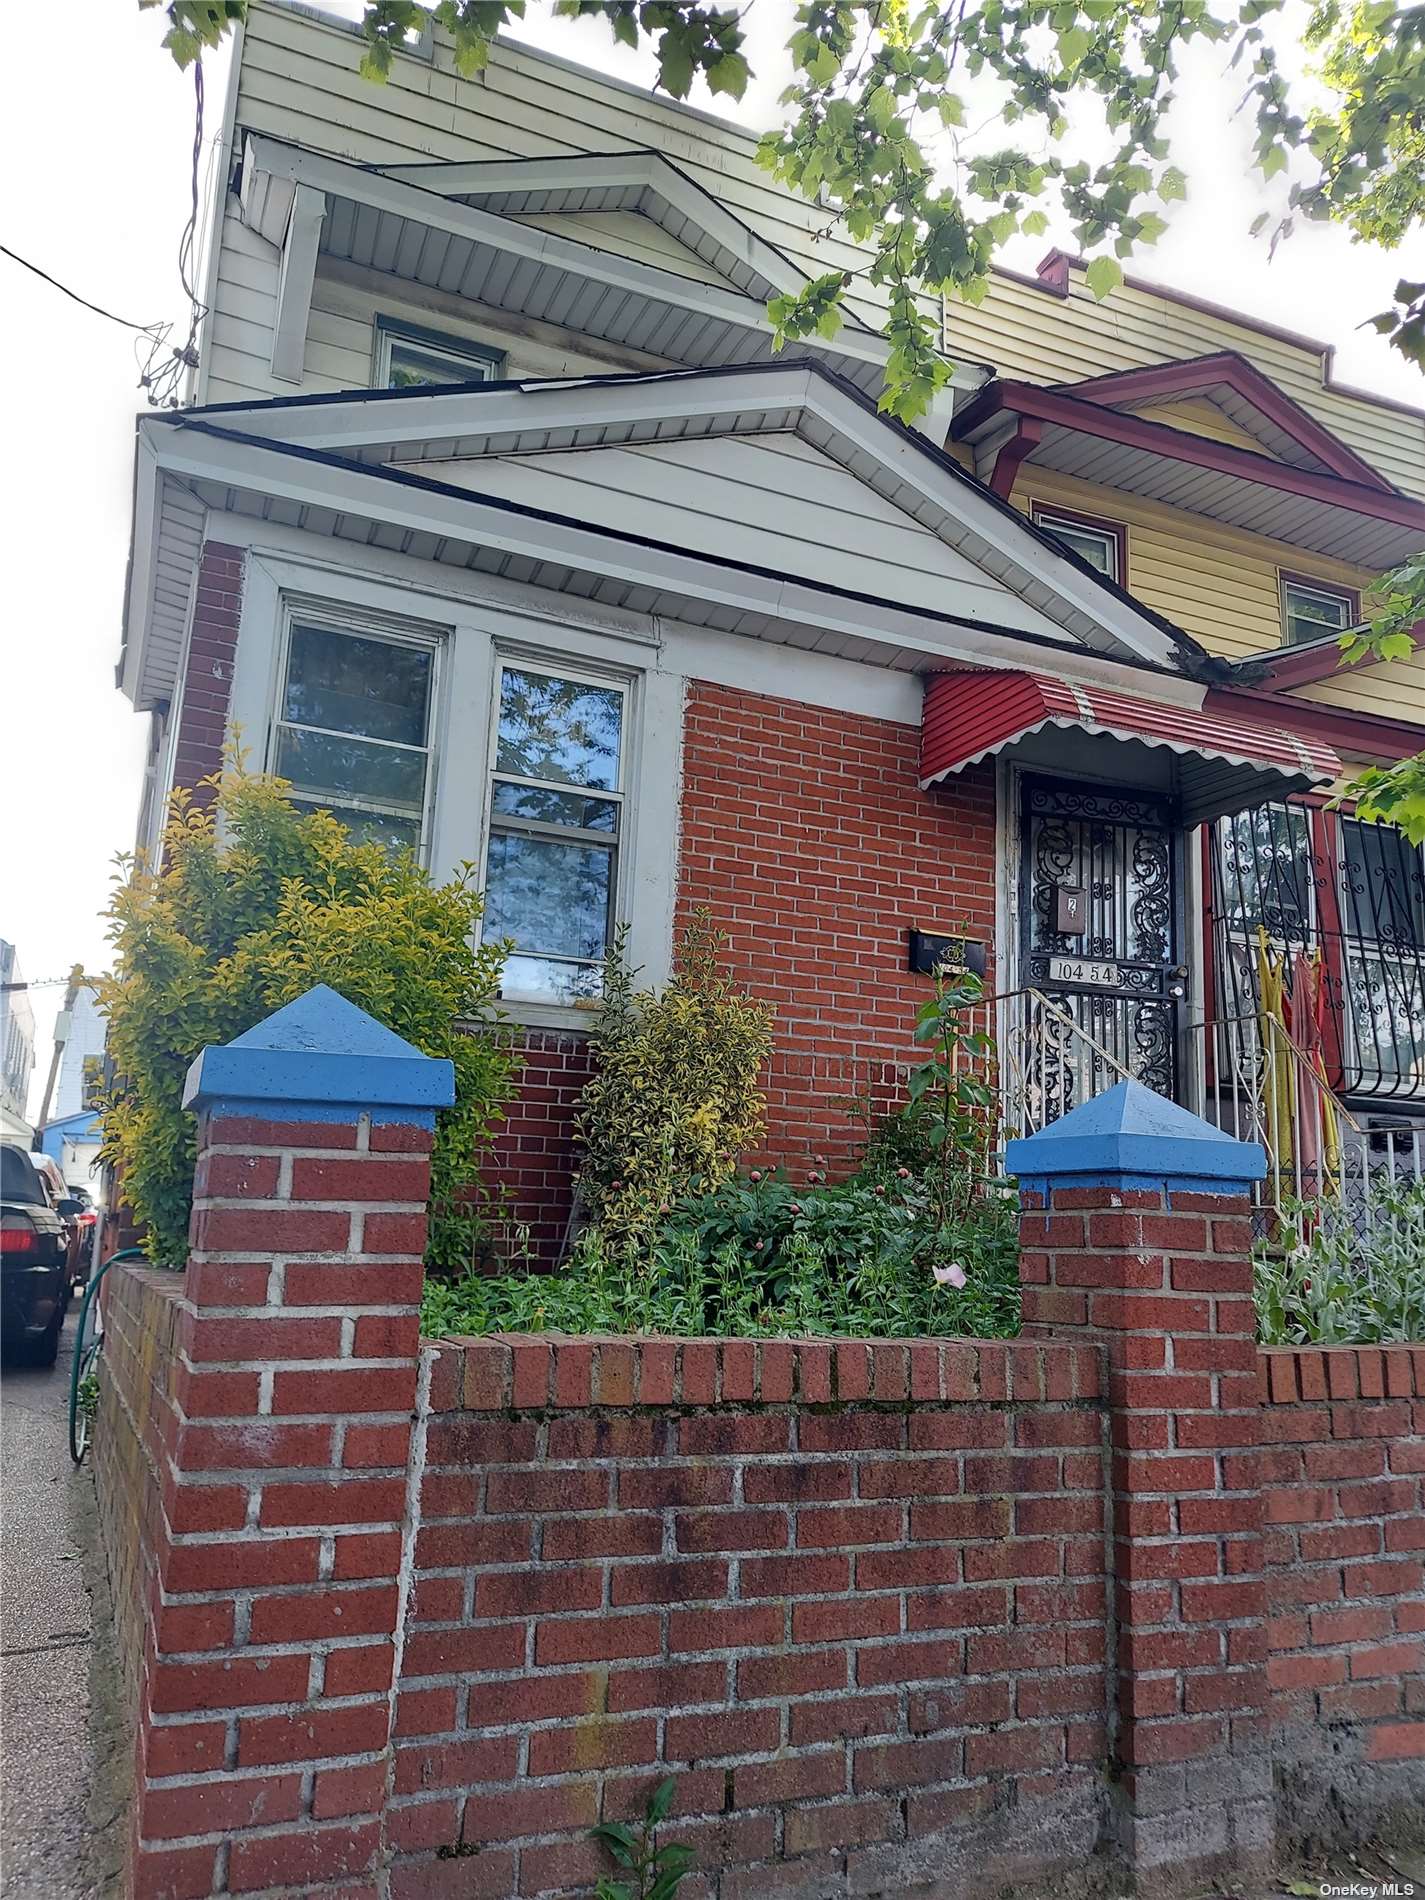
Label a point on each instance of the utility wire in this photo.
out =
(144, 329)
(161, 375)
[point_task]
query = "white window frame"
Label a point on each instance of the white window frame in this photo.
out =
(624, 681)
(460, 353)
(332, 617)
(1060, 523)
(1324, 590)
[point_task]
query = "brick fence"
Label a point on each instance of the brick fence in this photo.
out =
(1127, 1596)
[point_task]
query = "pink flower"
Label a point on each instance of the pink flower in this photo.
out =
(794, 1207)
(902, 1174)
(953, 1275)
(756, 1175)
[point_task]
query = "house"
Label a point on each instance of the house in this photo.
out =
(497, 528)
(17, 1047)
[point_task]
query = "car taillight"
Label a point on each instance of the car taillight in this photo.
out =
(17, 1234)
(87, 1220)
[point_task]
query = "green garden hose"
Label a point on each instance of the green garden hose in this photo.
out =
(83, 1368)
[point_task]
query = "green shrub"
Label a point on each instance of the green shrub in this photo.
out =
(1325, 1280)
(674, 1097)
(254, 902)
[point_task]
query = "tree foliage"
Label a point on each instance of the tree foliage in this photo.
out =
(254, 902)
(877, 128)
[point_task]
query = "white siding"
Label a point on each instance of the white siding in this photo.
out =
(299, 81)
(772, 501)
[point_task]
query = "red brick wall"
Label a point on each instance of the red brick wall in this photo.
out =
(806, 835)
(207, 684)
(851, 1597)
(1344, 1475)
(533, 1159)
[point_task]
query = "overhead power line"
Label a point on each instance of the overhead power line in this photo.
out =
(144, 329)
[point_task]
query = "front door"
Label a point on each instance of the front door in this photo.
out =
(1101, 967)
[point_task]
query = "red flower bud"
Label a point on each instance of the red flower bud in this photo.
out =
(756, 1175)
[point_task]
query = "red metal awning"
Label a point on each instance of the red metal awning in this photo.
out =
(1224, 764)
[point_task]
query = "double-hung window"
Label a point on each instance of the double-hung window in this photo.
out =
(556, 824)
(1314, 610)
(412, 358)
(353, 728)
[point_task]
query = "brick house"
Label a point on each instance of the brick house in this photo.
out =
(496, 527)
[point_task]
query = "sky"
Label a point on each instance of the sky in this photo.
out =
(95, 139)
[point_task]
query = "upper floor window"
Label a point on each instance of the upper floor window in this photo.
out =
(1100, 543)
(1311, 610)
(411, 358)
(556, 820)
(353, 728)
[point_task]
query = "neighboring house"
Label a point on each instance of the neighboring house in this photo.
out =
(74, 1142)
(498, 528)
(17, 1047)
(81, 1066)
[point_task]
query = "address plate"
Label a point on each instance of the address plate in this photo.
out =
(1077, 970)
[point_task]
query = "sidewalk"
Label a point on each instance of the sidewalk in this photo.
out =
(51, 1844)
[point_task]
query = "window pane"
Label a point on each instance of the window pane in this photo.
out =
(1094, 545)
(546, 980)
(1266, 872)
(413, 368)
(555, 808)
(374, 827)
(1311, 616)
(559, 729)
(318, 762)
(1385, 889)
(375, 688)
(548, 896)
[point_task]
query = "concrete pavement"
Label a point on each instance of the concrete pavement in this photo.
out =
(46, 1757)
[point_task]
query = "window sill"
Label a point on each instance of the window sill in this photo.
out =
(569, 1021)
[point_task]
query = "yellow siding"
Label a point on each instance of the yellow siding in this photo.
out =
(1213, 581)
(1029, 333)
(1200, 417)
(1395, 689)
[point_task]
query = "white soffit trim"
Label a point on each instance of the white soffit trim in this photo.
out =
(412, 232)
(527, 418)
(641, 181)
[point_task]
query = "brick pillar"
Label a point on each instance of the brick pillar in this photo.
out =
(1135, 1229)
(264, 1735)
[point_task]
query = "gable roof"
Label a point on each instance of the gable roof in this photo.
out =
(1253, 401)
(311, 206)
(378, 466)
(642, 182)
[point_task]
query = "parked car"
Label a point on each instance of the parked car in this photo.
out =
(71, 1204)
(35, 1252)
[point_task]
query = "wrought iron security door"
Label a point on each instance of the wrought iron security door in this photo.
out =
(1100, 935)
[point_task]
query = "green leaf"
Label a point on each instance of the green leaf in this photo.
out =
(730, 75)
(1172, 185)
(661, 1800)
(620, 1841)
(1073, 45)
(1103, 275)
(1035, 224)
(951, 109)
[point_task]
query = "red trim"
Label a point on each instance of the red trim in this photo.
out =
(1075, 518)
(1306, 665)
(971, 714)
(1048, 276)
(1089, 418)
(1190, 374)
(1020, 446)
(1363, 735)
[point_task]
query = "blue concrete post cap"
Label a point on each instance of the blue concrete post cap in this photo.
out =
(319, 1059)
(1130, 1131)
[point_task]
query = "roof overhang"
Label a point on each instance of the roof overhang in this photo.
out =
(1347, 520)
(1222, 763)
(348, 468)
(640, 181)
(1250, 399)
(311, 206)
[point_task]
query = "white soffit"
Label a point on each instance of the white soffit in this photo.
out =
(382, 222)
